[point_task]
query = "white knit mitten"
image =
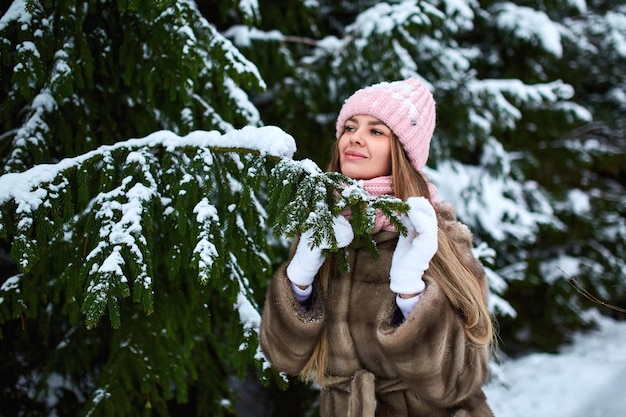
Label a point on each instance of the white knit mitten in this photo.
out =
(414, 251)
(307, 260)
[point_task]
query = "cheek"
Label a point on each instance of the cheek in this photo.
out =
(342, 142)
(385, 152)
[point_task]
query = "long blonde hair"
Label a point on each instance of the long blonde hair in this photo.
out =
(450, 269)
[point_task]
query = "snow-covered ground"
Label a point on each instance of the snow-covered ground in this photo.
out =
(586, 379)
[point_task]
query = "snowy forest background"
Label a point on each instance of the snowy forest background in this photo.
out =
(140, 222)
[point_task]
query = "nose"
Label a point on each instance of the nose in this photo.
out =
(356, 137)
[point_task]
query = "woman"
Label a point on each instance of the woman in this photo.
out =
(406, 333)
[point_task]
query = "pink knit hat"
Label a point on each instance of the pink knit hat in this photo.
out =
(406, 107)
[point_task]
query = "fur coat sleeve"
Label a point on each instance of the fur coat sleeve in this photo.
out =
(289, 331)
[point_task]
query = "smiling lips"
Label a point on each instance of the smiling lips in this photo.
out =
(353, 155)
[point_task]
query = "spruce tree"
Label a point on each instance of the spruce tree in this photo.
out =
(118, 240)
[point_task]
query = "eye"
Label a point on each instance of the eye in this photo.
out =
(377, 132)
(349, 128)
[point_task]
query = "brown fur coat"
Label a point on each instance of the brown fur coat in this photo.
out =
(423, 366)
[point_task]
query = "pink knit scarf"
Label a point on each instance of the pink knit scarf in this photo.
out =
(376, 187)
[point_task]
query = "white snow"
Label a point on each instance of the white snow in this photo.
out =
(384, 18)
(531, 25)
(585, 379)
(268, 140)
(489, 207)
(15, 12)
(579, 201)
(243, 35)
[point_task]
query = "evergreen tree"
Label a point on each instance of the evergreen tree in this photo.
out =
(118, 236)
(138, 267)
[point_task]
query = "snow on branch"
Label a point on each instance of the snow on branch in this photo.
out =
(108, 219)
(24, 187)
(383, 18)
(302, 197)
(500, 101)
(498, 206)
(533, 26)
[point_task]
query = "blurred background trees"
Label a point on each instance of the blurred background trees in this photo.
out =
(529, 147)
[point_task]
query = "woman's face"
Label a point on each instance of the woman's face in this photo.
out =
(365, 148)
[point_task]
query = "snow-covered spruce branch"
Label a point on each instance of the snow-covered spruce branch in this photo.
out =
(108, 220)
(23, 194)
(302, 197)
(102, 217)
(500, 100)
